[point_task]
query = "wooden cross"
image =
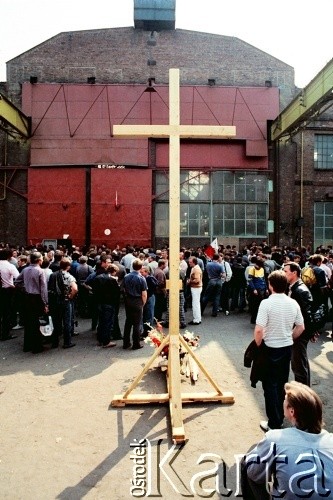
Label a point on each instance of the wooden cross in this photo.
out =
(174, 131)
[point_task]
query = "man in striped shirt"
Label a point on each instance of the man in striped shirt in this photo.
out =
(279, 322)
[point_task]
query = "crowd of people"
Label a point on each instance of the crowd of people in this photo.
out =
(73, 283)
(281, 289)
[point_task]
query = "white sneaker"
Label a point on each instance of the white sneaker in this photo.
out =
(264, 426)
(227, 313)
(17, 327)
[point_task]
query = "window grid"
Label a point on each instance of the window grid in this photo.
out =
(323, 152)
(323, 223)
(223, 202)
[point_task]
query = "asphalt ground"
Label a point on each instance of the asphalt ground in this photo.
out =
(62, 439)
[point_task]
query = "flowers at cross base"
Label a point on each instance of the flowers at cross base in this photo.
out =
(155, 338)
(191, 339)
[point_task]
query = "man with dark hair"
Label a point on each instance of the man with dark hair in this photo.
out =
(135, 290)
(238, 286)
(75, 263)
(107, 294)
(300, 292)
(216, 273)
(295, 462)
(55, 265)
(279, 322)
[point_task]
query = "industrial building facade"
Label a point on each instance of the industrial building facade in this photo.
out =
(72, 177)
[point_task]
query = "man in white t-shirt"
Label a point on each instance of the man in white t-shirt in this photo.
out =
(279, 322)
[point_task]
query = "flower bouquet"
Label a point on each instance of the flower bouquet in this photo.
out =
(188, 366)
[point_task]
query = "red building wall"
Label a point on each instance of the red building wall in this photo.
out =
(56, 204)
(121, 201)
(72, 132)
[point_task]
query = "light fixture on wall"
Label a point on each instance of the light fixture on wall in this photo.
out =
(151, 83)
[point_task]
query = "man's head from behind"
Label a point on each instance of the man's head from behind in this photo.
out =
(278, 281)
(303, 407)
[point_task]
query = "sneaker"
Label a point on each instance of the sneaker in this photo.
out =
(264, 426)
(227, 313)
(17, 327)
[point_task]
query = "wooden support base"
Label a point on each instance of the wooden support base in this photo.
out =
(178, 433)
(187, 397)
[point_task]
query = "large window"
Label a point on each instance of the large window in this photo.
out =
(323, 152)
(323, 223)
(213, 204)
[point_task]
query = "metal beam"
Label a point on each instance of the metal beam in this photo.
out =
(13, 118)
(306, 105)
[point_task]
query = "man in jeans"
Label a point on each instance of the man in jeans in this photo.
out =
(135, 290)
(216, 273)
(62, 288)
(279, 322)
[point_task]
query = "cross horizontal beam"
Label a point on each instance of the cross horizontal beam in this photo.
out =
(183, 131)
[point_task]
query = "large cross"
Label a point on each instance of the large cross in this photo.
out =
(174, 131)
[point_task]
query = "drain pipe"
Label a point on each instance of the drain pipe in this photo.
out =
(302, 186)
(5, 159)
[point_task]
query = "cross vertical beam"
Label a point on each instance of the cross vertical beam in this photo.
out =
(174, 247)
(174, 131)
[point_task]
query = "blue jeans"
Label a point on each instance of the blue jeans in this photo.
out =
(105, 322)
(213, 294)
(62, 312)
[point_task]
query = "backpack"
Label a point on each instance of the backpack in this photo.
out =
(56, 286)
(308, 276)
